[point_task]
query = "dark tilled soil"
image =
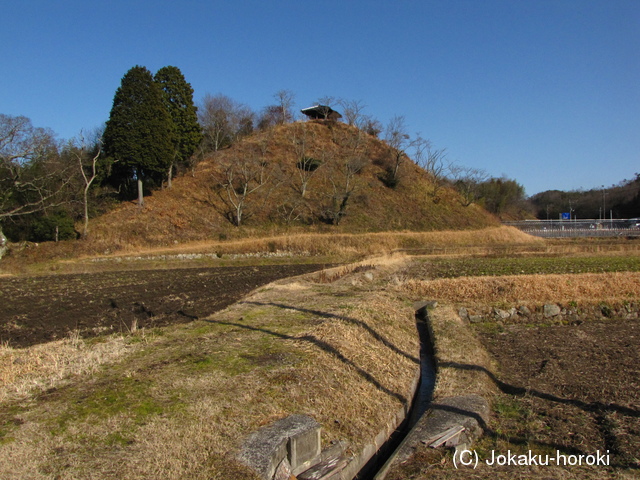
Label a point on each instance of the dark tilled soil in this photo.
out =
(579, 385)
(568, 389)
(40, 309)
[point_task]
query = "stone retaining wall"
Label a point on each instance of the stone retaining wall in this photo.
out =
(563, 314)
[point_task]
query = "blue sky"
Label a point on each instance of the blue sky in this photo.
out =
(546, 92)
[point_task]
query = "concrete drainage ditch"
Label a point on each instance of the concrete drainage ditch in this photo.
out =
(291, 449)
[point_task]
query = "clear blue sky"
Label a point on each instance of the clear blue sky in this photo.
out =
(546, 92)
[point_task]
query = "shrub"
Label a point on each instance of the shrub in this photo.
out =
(58, 226)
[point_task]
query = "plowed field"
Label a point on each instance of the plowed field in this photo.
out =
(575, 388)
(564, 391)
(44, 308)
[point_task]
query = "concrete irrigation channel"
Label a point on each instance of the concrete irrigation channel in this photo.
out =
(453, 422)
(290, 448)
(388, 454)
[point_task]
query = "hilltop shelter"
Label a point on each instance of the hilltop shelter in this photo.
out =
(321, 112)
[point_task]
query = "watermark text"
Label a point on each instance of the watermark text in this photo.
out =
(471, 458)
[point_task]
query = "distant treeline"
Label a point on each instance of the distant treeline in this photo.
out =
(617, 201)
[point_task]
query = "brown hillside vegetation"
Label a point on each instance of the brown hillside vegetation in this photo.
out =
(311, 176)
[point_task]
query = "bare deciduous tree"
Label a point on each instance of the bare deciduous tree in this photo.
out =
(286, 101)
(32, 177)
(239, 179)
(398, 139)
(88, 166)
(223, 121)
(467, 181)
(433, 161)
(327, 100)
(371, 125)
(343, 175)
(269, 117)
(291, 210)
(352, 112)
(344, 184)
(306, 165)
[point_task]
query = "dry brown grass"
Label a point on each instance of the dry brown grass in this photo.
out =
(342, 351)
(464, 364)
(181, 406)
(359, 244)
(455, 344)
(337, 247)
(585, 288)
(195, 210)
(28, 371)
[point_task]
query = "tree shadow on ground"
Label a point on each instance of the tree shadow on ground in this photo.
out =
(598, 409)
(520, 391)
(328, 348)
(342, 318)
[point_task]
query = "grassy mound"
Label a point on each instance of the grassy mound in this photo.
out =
(310, 177)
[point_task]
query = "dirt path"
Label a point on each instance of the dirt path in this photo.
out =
(40, 309)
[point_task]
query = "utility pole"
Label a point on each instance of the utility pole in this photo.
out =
(571, 210)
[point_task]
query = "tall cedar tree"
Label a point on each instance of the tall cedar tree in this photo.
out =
(139, 133)
(178, 99)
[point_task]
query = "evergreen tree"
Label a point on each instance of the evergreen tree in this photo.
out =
(139, 133)
(178, 99)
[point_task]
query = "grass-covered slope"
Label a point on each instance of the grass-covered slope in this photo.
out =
(332, 162)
